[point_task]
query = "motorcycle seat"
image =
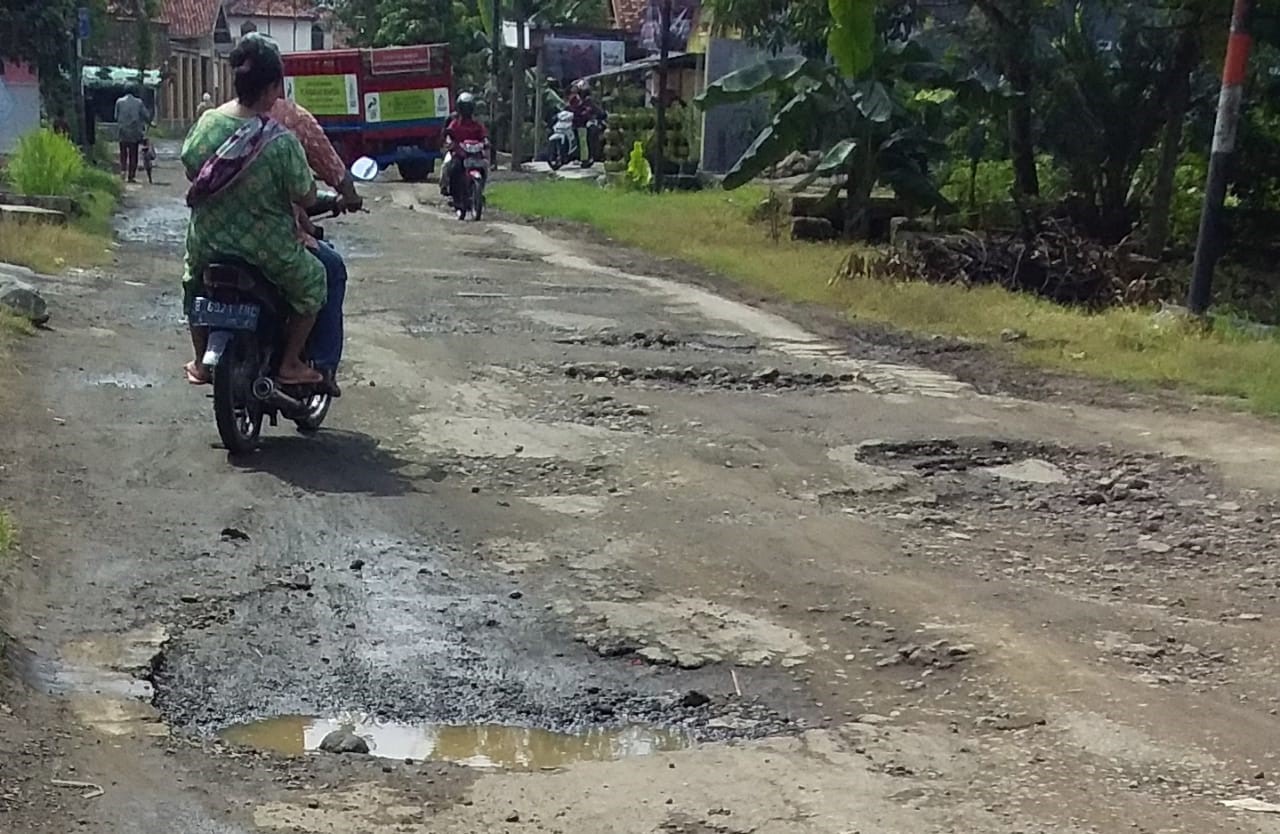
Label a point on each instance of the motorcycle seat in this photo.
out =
(235, 276)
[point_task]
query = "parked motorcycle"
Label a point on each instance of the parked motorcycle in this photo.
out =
(468, 189)
(246, 315)
(563, 146)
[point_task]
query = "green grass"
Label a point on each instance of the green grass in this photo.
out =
(8, 533)
(713, 229)
(84, 242)
(51, 249)
(45, 163)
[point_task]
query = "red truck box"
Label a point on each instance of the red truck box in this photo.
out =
(390, 104)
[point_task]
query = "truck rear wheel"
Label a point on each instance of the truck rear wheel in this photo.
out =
(415, 170)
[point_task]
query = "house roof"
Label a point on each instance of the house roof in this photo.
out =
(191, 18)
(303, 9)
(628, 15)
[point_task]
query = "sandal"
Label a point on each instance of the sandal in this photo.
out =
(313, 377)
(196, 374)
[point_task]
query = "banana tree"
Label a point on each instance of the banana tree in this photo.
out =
(862, 111)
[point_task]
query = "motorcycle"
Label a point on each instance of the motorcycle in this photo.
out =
(246, 315)
(563, 146)
(468, 190)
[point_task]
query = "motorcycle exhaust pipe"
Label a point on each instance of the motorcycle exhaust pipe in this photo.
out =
(265, 390)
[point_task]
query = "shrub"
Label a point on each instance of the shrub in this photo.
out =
(46, 163)
(993, 184)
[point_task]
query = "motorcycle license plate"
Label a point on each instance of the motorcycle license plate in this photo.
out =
(208, 313)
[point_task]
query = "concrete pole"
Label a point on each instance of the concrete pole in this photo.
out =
(1209, 242)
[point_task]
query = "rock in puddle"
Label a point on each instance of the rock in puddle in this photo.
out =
(344, 742)
(694, 699)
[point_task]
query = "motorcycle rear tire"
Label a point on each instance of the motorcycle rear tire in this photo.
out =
(477, 200)
(237, 413)
(556, 155)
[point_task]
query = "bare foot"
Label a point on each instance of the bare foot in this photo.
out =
(196, 373)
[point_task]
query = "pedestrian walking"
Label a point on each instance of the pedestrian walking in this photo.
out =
(131, 122)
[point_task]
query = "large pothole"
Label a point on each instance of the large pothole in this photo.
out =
(706, 376)
(664, 340)
(1098, 518)
(418, 638)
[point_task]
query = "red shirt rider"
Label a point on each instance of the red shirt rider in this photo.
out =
(462, 129)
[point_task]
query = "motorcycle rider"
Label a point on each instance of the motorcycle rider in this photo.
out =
(247, 173)
(324, 349)
(586, 116)
(464, 127)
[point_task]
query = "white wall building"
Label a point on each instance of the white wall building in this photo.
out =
(296, 25)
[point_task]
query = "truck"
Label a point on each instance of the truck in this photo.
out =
(390, 104)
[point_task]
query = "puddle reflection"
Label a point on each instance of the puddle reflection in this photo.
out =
(485, 746)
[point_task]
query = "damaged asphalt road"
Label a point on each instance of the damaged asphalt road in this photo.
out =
(588, 549)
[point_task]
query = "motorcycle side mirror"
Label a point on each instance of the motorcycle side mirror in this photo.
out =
(364, 169)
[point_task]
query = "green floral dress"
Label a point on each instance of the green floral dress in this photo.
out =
(252, 219)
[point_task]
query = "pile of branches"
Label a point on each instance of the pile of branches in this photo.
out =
(1050, 260)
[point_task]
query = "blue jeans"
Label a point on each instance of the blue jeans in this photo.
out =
(325, 345)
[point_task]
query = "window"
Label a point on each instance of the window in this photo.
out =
(317, 37)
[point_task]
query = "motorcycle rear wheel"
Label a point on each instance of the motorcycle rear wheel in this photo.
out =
(317, 409)
(237, 413)
(556, 155)
(477, 200)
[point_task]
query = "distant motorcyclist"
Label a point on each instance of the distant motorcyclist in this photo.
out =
(588, 116)
(463, 127)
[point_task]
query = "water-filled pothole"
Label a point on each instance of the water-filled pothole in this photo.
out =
(485, 745)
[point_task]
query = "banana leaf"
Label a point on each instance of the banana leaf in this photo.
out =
(773, 75)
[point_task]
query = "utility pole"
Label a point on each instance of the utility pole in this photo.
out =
(495, 50)
(660, 155)
(518, 88)
(1209, 240)
(77, 78)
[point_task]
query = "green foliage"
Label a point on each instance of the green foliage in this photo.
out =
(39, 32)
(873, 127)
(774, 24)
(8, 533)
(992, 181)
(46, 163)
(639, 174)
(1257, 165)
(852, 35)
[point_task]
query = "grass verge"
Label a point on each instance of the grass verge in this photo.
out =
(51, 249)
(83, 242)
(713, 229)
(8, 534)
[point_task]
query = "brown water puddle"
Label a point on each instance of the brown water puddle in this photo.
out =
(485, 746)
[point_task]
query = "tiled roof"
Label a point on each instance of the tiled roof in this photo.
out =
(191, 18)
(304, 9)
(628, 15)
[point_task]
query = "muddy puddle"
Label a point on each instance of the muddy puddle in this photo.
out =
(482, 746)
(159, 224)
